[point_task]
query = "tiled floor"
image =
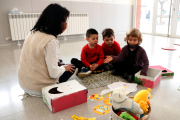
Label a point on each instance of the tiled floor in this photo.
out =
(165, 96)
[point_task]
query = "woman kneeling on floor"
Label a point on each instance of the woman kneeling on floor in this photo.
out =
(39, 59)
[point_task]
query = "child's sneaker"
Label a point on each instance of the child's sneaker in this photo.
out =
(76, 71)
(108, 67)
(125, 76)
(130, 78)
(84, 72)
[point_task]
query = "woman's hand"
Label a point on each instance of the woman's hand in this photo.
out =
(108, 59)
(69, 68)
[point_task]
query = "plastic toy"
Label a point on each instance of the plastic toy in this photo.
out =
(126, 116)
(101, 109)
(119, 100)
(142, 98)
(135, 117)
(106, 101)
(96, 97)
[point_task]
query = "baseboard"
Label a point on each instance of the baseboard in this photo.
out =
(7, 44)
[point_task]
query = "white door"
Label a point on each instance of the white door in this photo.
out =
(175, 30)
(162, 18)
(146, 16)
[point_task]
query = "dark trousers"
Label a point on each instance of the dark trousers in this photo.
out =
(78, 64)
(65, 76)
(122, 68)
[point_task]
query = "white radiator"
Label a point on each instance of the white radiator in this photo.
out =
(21, 24)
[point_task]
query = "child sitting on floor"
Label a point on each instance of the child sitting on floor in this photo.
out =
(91, 56)
(110, 46)
(132, 58)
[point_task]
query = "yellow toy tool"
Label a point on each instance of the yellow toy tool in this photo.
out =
(74, 117)
(142, 98)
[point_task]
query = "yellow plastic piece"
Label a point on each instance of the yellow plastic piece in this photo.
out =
(142, 98)
(106, 101)
(101, 109)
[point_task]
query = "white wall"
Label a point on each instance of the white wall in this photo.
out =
(123, 2)
(116, 15)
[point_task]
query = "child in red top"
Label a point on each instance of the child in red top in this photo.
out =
(114, 50)
(92, 56)
(110, 46)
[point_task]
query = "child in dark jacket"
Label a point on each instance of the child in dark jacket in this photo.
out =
(132, 58)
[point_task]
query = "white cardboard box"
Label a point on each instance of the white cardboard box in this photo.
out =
(150, 81)
(64, 95)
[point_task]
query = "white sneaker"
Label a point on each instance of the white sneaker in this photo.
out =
(76, 71)
(84, 74)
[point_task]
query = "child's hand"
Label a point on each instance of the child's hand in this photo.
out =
(142, 75)
(91, 67)
(69, 68)
(108, 59)
(95, 66)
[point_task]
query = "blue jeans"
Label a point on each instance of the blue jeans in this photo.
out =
(66, 75)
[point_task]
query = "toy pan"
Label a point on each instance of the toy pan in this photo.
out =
(114, 116)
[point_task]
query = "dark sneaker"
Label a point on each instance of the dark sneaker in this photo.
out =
(130, 78)
(115, 73)
(84, 72)
(108, 67)
(111, 66)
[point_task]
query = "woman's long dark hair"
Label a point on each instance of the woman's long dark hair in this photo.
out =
(52, 20)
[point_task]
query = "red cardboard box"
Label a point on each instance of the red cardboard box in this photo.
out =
(150, 81)
(165, 71)
(64, 95)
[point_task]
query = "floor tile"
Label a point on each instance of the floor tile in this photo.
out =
(165, 96)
